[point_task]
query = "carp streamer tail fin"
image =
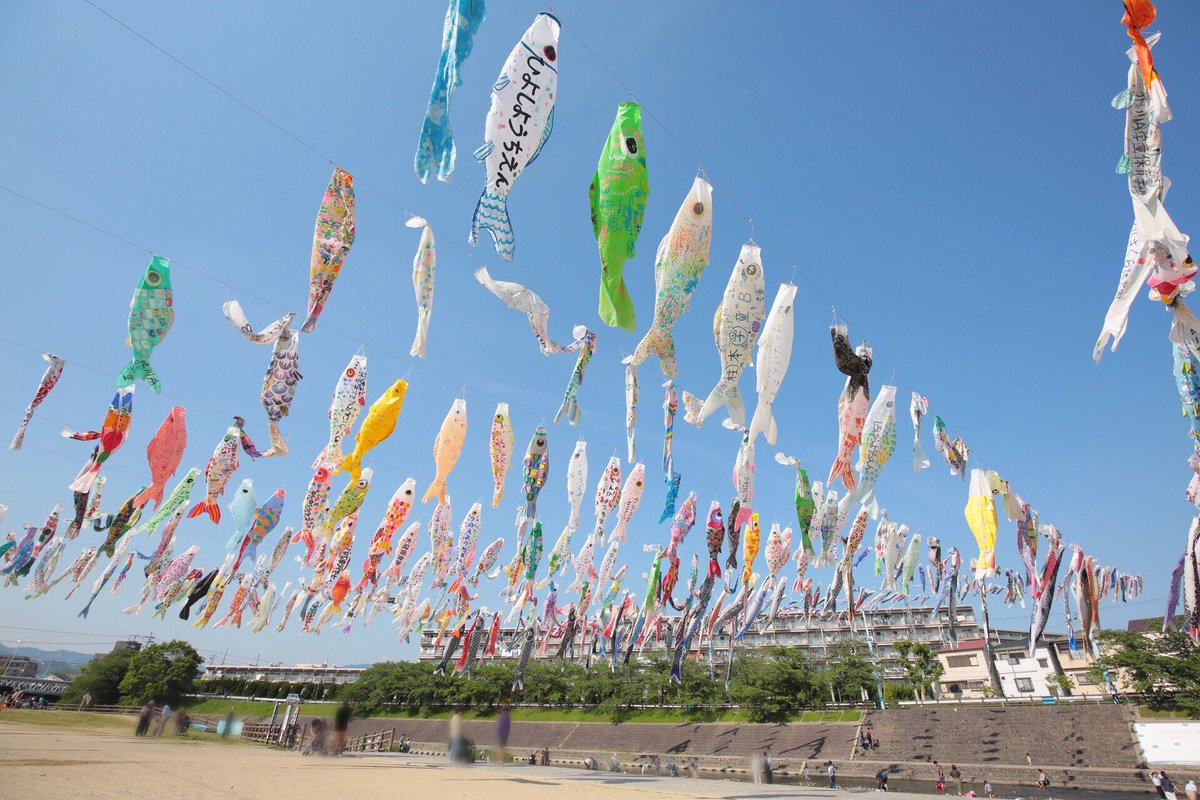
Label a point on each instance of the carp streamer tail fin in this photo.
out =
(352, 464)
(491, 214)
(140, 368)
(726, 393)
(764, 422)
(206, 506)
(616, 307)
(153, 492)
(842, 469)
(87, 476)
(661, 344)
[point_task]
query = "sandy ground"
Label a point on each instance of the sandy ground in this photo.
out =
(57, 761)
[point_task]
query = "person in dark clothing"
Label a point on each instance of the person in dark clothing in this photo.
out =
(956, 776)
(881, 779)
(503, 727)
(144, 717)
(341, 724)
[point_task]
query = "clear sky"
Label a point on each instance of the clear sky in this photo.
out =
(943, 172)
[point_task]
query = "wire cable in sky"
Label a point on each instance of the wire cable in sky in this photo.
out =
(454, 241)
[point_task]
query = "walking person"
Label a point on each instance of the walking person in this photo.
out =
(1156, 779)
(881, 779)
(939, 781)
(341, 724)
(987, 788)
(503, 726)
(1029, 760)
(768, 767)
(956, 776)
(1168, 787)
(162, 719)
(1190, 789)
(832, 775)
(143, 723)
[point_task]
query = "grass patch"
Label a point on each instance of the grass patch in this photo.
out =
(263, 708)
(244, 708)
(1162, 713)
(70, 719)
(564, 715)
(592, 715)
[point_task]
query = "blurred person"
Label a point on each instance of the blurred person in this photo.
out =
(341, 724)
(163, 716)
(454, 746)
(503, 726)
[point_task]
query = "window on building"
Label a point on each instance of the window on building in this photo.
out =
(1044, 663)
(960, 661)
(1025, 685)
(1014, 659)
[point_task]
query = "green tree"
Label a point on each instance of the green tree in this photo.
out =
(921, 664)
(699, 694)
(1062, 683)
(101, 678)
(775, 685)
(849, 672)
(1164, 666)
(164, 673)
(894, 692)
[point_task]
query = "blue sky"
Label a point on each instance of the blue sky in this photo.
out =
(942, 172)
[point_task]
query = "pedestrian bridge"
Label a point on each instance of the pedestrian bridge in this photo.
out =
(46, 687)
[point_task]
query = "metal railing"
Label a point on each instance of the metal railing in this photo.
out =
(1024, 700)
(261, 732)
(94, 709)
(377, 742)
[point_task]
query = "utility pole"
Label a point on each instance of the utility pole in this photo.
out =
(876, 667)
(988, 655)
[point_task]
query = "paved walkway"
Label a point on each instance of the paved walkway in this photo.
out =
(692, 787)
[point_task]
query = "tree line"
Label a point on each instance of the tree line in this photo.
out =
(768, 685)
(164, 672)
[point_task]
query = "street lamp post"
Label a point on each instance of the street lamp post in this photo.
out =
(11, 656)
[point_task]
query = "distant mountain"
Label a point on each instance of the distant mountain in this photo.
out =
(56, 662)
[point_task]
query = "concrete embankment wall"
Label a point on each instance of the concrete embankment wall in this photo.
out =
(1054, 736)
(1084, 747)
(795, 742)
(1079, 746)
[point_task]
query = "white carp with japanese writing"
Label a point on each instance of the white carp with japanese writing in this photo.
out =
(519, 122)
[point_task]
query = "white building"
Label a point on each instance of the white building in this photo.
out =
(967, 676)
(815, 635)
(282, 673)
